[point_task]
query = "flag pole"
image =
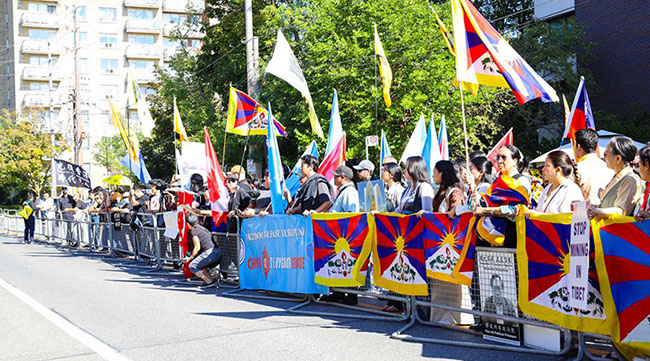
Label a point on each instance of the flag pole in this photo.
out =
(462, 106)
(223, 152)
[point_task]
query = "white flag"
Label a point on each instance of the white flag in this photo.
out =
(285, 66)
(146, 121)
(416, 141)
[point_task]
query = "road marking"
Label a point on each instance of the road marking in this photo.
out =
(102, 349)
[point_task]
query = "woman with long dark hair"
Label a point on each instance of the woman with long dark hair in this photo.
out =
(480, 168)
(623, 192)
(418, 195)
(564, 184)
(643, 211)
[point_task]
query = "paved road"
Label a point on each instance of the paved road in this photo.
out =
(131, 315)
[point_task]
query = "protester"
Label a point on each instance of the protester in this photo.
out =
(419, 194)
(65, 202)
(315, 196)
(139, 199)
(30, 221)
(157, 201)
(510, 161)
(643, 211)
(623, 192)
(240, 199)
(347, 198)
(391, 174)
(388, 159)
(594, 173)
(564, 186)
(48, 211)
(204, 252)
(120, 209)
(365, 171)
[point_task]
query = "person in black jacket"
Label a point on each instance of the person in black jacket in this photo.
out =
(316, 193)
(30, 222)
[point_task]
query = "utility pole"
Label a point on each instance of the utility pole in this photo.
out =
(252, 63)
(51, 116)
(78, 151)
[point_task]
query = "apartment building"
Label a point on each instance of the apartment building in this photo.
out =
(37, 48)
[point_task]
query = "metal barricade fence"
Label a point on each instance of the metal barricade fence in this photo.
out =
(491, 302)
(146, 236)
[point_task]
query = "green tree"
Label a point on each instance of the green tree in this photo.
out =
(25, 154)
(108, 153)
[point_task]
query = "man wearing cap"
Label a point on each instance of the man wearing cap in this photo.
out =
(365, 171)
(347, 199)
(240, 199)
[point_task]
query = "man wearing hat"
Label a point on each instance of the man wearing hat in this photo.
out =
(236, 183)
(347, 199)
(365, 171)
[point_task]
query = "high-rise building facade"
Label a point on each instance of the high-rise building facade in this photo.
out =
(37, 48)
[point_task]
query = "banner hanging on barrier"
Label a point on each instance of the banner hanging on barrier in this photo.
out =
(277, 254)
(623, 264)
(342, 244)
(444, 239)
(544, 261)
(398, 254)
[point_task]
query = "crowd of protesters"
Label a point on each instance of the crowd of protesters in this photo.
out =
(611, 183)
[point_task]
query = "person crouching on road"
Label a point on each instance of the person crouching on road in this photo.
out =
(204, 253)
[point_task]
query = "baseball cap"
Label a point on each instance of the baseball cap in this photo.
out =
(232, 176)
(343, 171)
(365, 165)
(238, 169)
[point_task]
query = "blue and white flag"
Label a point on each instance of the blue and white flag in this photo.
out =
(385, 149)
(278, 202)
(416, 141)
(293, 181)
(431, 150)
(137, 168)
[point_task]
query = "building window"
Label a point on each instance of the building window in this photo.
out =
(85, 117)
(140, 14)
(82, 37)
(107, 15)
(106, 117)
(172, 43)
(83, 65)
(108, 66)
(42, 86)
(141, 39)
(146, 91)
(41, 34)
(142, 65)
(107, 40)
(81, 13)
(110, 91)
(174, 18)
(41, 8)
(41, 60)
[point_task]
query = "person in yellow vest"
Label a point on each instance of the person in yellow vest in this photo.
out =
(28, 215)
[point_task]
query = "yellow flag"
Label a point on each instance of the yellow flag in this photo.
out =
(384, 69)
(445, 33)
(178, 123)
(131, 143)
(567, 111)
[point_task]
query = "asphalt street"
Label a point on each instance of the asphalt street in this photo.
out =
(60, 304)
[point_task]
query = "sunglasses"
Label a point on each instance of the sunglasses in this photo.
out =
(501, 157)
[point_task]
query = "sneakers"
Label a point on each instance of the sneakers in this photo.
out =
(207, 285)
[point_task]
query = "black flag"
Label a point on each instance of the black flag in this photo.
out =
(71, 175)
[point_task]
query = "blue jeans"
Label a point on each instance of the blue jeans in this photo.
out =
(205, 258)
(30, 224)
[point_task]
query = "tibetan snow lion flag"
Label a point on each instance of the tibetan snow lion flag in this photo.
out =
(444, 240)
(544, 261)
(505, 191)
(247, 117)
(342, 243)
(398, 254)
(623, 264)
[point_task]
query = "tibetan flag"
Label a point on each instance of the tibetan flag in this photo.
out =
(504, 191)
(342, 244)
(385, 149)
(216, 186)
(385, 72)
(544, 259)
(130, 142)
(581, 116)
(506, 139)
(179, 128)
(293, 181)
(247, 117)
(336, 128)
(484, 57)
(443, 140)
(398, 254)
(284, 65)
(333, 160)
(623, 264)
(444, 240)
(416, 141)
(463, 272)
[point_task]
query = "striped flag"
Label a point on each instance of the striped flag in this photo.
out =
(581, 116)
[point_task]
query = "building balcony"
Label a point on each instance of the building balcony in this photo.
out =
(40, 73)
(184, 6)
(146, 26)
(170, 52)
(190, 31)
(145, 76)
(41, 99)
(142, 51)
(145, 4)
(37, 46)
(40, 20)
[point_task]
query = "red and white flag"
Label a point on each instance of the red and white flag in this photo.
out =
(216, 185)
(333, 160)
(507, 139)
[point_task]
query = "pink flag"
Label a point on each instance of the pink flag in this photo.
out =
(507, 139)
(333, 160)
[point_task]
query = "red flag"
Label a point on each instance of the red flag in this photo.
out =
(507, 139)
(333, 160)
(216, 185)
(184, 198)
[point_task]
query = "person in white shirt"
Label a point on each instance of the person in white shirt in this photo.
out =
(594, 173)
(563, 188)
